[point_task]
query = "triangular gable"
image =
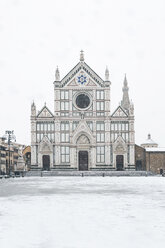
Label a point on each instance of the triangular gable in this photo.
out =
(45, 112)
(91, 83)
(119, 145)
(86, 69)
(82, 129)
(73, 83)
(119, 112)
(45, 145)
(119, 139)
(82, 125)
(83, 139)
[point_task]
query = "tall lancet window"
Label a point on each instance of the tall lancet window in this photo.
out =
(100, 156)
(100, 132)
(65, 132)
(64, 96)
(65, 154)
(100, 94)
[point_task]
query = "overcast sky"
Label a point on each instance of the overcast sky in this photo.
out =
(128, 36)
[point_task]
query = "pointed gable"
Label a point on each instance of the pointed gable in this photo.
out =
(73, 83)
(45, 145)
(119, 139)
(91, 83)
(86, 69)
(82, 125)
(83, 139)
(45, 113)
(119, 112)
(119, 145)
(82, 129)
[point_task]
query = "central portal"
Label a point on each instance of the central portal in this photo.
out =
(83, 160)
(46, 162)
(119, 162)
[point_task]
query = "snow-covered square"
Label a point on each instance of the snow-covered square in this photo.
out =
(82, 212)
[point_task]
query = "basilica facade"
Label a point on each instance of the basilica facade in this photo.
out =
(82, 133)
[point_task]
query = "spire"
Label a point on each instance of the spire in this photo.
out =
(125, 81)
(57, 75)
(106, 74)
(82, 56)
(125, 101)
(33, 104)
(33, 108)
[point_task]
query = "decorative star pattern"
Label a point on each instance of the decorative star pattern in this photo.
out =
(82, 79)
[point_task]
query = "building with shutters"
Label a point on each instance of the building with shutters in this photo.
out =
(9, 156)
(82, 133)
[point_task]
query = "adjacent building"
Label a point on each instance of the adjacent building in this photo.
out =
(149, 143)
(155, 156)
(150, 157)
(9, 156)
(82, 133)
(2, 157)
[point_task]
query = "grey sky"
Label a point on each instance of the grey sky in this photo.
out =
(127, 36)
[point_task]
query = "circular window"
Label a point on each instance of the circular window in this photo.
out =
(82, 101)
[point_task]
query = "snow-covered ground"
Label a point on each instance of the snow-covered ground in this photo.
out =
(82, 212)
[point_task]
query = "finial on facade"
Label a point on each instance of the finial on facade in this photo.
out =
(106, 74)
(45, 103)
(33, 104)
(125, 80)
(57, 75)
(33, 108)
(82, 56)
(149, 136)
(125, 103)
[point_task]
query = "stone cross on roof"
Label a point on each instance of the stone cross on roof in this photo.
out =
(119, 111)
(45, 111)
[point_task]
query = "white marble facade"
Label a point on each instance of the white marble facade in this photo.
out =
(82, 133)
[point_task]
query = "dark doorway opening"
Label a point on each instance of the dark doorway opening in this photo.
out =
(46, 162)
(119, 162)
(139, 165)
(83, 160)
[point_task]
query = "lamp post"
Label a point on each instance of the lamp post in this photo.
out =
(9, 136)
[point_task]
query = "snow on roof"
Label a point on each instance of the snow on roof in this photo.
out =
(149, 141)
(155, 149)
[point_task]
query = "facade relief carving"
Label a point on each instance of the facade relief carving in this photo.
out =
(83, 140)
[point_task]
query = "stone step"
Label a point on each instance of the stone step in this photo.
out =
(89, 173)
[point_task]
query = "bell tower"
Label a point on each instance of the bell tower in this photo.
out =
(125, 101)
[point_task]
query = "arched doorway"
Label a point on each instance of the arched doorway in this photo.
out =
(119, 162)
(46, 162)
(83, 144)
(83, 160)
